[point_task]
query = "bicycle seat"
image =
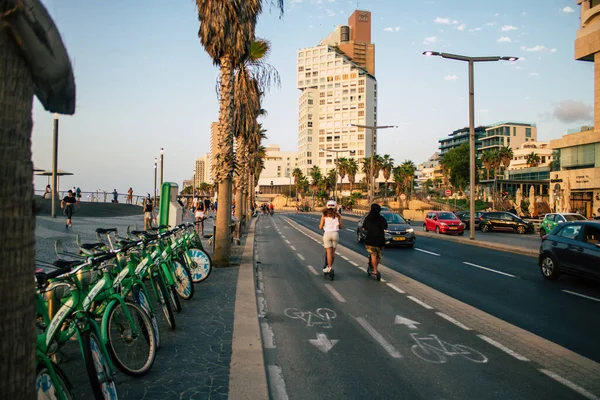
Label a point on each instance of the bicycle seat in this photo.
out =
(138, 232)
(92, 246)
(125, 243)
(103, 231)
(65, 263)
(150, 236)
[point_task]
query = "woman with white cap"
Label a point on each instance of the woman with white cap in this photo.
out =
(331, 223)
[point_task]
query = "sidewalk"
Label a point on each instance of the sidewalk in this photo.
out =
(194, 360)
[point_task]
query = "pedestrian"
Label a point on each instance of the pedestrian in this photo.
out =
(148, 213)
(78, 196)
(207, 207)
(130, 196)
(48, 192)
(200, 217)
(375, 226)
(68, 204)
(195, 203)
(115, 196)
(271, 209)
(331, 223)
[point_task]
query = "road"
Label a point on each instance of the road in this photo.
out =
(358, 338)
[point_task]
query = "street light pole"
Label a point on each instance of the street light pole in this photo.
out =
(54, 166)
(471, 61)
(155, 162)
(161, 165)
(335, 196)
(194, 186)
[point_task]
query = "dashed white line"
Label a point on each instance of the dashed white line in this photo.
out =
(455, 322)
(313, 270)
(570, 384)
(503, 348)
(335, 293)
(396, 288)
(488, 269)
(277, 383)
(300, 256)
(267, 335)
(428, 252)
(283, 237)
(351, 230)
(353, 263)
(337, 253)
(293, 248)
(287, 241)
(391, 350)
(345, 258)
(582, 295)
(421, 303)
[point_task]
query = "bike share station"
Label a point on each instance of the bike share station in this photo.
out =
(171, 214)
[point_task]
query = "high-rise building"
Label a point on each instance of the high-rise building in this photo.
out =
(587, 46)
(214, 148)
(201, 173)
(278, 164)
(507, 134)
(338, 88)
(460, 136)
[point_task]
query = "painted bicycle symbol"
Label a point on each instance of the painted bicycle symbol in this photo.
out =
(321, 317)
(433, 350)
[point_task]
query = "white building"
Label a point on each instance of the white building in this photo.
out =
(542, 149)
(202, 170)
(336, 92)
(279, 163)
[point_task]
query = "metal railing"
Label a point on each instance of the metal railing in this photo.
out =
(99, 196)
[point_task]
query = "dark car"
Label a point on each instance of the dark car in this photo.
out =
(571, 248)
(399, 232)
(464, 218)
(504, 221)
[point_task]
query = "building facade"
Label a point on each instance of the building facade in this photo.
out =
(587, 45)
(521, 155)
(214, 148)
(507, 134)
(279, 164)
(460, 136)
(202, 170)
(337, 89)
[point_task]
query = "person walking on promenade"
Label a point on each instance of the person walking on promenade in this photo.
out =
(331, 223)
(200, 217)
(375, 226)
(115, 196)
(48, 192)
(148, 213)
(130, 196)
(68, 204)
(78, 196)
(207, 207)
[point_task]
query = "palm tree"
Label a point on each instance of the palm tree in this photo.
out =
(226, 32)
(351, 170)
(533, 160)
(495, 162)
(506, 155)
(366, 169)
(205, 188)
(297, 174)
(487, 159)
(17, 220)
(316, 176)
(398, 174)
(387, 166)
(409, 169)
(341, 165)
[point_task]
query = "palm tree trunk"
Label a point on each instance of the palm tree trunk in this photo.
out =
(225, 164)
(17, 223)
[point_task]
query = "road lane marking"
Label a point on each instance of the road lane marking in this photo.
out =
(267, 335)
(287, 241)
(300, 256)
(428, 252)
(582, 295)
(488, 269)
(396, 288)
(427, 306)
(351, 230)
(570, 384)
(353, 263)
(345, 258)
(277, 383)
(293, 248)
(391, 350)
(335, 293)
(503, 348)
(283, 237)
(313, 270)
(455, 322)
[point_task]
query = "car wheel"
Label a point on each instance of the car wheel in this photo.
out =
(542, 232)
(424, 228)
(411, 246)
(484, 228)
(549, 267)
(521, 229)
(437, 229)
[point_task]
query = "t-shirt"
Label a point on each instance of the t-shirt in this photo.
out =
(375, 231)
(148, 206)
(200, 206)
(69, 200)
(206, 204)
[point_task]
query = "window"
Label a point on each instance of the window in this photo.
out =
(514, 131)
(310, 124)
(322, 102)
(353, 75)
(322, 94)
(310, 101)
(300, 69)
(361, 152)
(309, 162)
(361, 105)
(330, 79)
(361, 137)
(361, 113)
(361, 90)
(345, 76)
(527, 132)
(570, 232)
(361, 82)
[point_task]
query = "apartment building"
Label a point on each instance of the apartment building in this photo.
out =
(278, 164)
(201, 173)
(460, 136)
(337, 89)
(214, 132)
(521, 155)
(507, 134)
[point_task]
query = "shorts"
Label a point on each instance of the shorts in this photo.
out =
(377, 251)
(148, 215)
(330, 239)
(199, 214)
(68, 211)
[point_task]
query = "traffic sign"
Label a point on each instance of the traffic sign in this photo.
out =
(448, 192)
(402, 196)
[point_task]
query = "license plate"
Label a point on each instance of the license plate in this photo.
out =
(454, 227)
(399, 238)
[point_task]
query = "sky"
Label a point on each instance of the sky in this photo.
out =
(144, 80)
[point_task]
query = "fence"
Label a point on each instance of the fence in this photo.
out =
(99, 196)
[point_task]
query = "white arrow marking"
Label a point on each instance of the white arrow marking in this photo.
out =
(405, 321)
(322, 343)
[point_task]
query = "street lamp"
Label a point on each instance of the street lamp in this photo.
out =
(373, 129)
(155, 162)
(471, 61)
(194, 185)
(54, 167)
(161, 165)
(336, 171)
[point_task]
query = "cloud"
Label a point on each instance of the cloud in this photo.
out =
(497, 15)
(430, 39)
(477, 29)
(507, 28)
(538, 49)
(569, 111)
(461, 27)
(330, 13)
(504, 39)
(491, 24)
(392, 29)
(450, 77)
(533, 74)
(455, 22)
(568, 9)
(440, 20)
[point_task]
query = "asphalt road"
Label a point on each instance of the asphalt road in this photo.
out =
(358, 338)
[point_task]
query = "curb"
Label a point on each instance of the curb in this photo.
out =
(247, 374)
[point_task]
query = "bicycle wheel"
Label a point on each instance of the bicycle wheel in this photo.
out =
(46, 388)
(141, 298)
(201, 264)
(429, 355)
(98, 369)
(183, 280)
(174, 298)
(470, 354)
(133, 353)
(163, 300)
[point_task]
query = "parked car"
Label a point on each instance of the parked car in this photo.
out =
(399, 232)
(551, 220)
(504, 221)
(443, 222)
(571, 248)
(464, 217)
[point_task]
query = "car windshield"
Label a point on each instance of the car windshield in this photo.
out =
(394, 219)
(446, 215)
(574, 217)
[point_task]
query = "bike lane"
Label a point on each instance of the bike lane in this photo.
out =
(358, 338)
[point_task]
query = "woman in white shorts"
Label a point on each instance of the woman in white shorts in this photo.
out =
(200, 217)
(331, 223)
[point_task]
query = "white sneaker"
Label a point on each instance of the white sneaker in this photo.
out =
(326, 269)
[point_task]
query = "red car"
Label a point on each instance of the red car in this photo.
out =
(443, 222)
